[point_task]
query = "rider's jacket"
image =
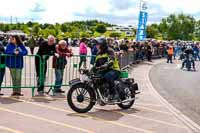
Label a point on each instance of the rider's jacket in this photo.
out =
(108, 60)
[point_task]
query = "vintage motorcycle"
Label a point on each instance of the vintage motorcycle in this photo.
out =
(92, 89)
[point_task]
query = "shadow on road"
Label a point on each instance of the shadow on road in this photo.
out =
(42, 99)
(8, 100)
(102, 114)
(59, 96)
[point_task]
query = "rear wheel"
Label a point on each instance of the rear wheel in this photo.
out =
(130, 94)
(80, 99)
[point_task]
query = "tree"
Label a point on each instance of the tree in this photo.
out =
(197, 30)
(100, 28)
(152, 31)
(84, 34)
(177, 27)
(36, 30)
(25, 29)
(30, 24)
(6, 28)
(63, 27)
(115, 34)
(75, 35)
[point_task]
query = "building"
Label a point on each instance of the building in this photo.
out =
(129, 30)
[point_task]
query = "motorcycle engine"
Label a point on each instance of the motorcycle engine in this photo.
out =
(105, 90)
(121, 89)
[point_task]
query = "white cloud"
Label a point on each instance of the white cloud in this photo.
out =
(16, 8)
(186, 6)
(65, 10)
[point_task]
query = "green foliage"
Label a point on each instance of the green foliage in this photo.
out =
(174, 27)
(36, 30)
(84, 34)
(152, 31)
(100, 28)
(177, 27)
(74, 35)
(115, 34)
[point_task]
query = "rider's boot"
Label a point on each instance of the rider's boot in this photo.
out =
(115, 96)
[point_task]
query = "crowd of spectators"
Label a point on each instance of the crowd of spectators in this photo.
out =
(16, 47)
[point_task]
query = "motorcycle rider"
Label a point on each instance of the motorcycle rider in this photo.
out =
(107, 64)
(189, 51)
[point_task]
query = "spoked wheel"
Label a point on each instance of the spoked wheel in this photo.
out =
(80, 99)
(129, 95)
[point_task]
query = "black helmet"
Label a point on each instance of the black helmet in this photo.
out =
(101, 41)
(103, 44)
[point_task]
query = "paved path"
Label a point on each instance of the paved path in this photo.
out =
(181, 87)
(53, 115)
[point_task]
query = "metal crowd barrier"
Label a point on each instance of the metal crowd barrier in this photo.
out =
(29, 77)
(127, 58)
(14, 73)
(70, 72)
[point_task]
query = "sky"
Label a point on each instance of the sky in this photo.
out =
(122, 12)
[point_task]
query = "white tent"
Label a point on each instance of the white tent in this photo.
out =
(1, 32)
(16, 32)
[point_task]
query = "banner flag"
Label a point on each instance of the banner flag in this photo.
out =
(141, 30)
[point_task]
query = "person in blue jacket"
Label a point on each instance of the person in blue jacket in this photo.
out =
(2, 65)
(15, 51)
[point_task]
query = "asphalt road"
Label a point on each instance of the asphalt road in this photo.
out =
(179, 87)
(51, 114)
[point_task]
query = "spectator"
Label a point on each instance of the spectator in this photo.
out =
(124, 46)
(170, 53)
(196, 52)
(2, 65)
(15, 62)
(176, 50)
(59, 63)
(149, 52)
(32, 44)
(116, 46)
(83, 53)
(110, 43)
(94, 50)
(142, 51)
(46, 49)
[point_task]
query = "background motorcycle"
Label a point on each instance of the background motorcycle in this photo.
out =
(189, 59)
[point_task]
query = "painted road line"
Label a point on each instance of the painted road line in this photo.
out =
(147, 104)
(45, 120)
(146, 108)
(187, 121)
(63, 99)
(89, 116)
(153, 120)
(153, 110)
(9, 129)
(144, 118)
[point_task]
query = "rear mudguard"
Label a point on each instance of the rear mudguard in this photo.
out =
(131, 82)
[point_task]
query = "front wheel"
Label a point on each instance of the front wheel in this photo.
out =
(80, 99)
(130, 94)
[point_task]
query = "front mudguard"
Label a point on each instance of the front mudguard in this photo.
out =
(75, 82)
(78, 82)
